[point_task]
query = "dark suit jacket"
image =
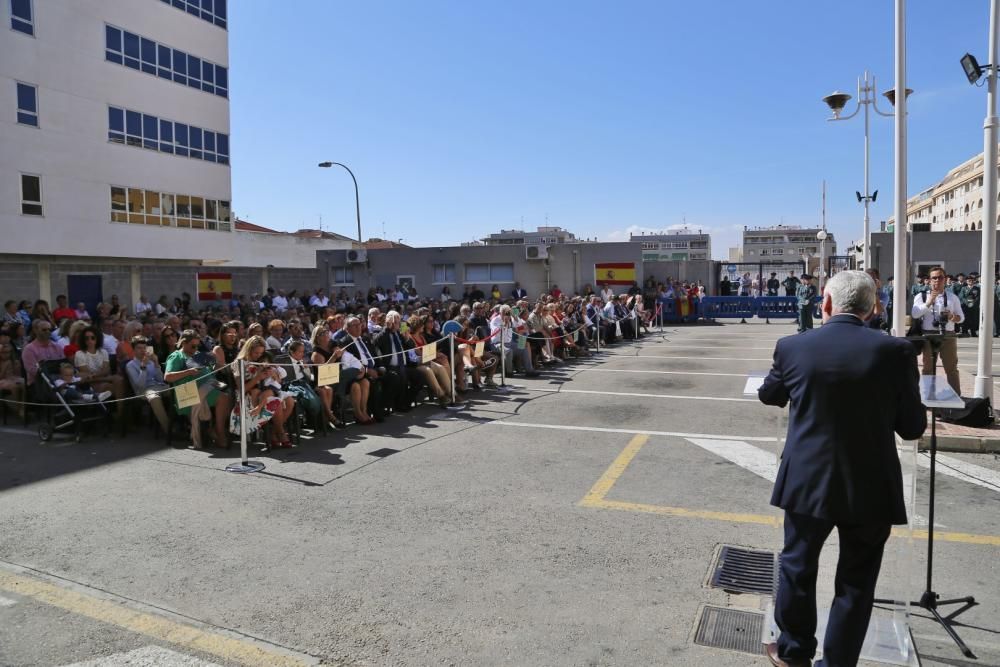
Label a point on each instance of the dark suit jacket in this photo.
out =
(382, 346)
(850, 388)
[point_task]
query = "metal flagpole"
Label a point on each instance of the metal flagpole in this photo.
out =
(900, 269)
(984, 359)
(245, 465)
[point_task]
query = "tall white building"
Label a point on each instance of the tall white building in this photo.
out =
(953, 204)
(115, 149)
(115, 133)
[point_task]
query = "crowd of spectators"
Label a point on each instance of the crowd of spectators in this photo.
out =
(282, 338)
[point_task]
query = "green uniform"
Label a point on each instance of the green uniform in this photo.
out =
(805, 293)
(969, 296)
(791, 284)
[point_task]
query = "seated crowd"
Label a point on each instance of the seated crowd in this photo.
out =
(282, 340)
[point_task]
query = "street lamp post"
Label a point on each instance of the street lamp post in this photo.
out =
(357, 199)
(866, 98)
(821, 235)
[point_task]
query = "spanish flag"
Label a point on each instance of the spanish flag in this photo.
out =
(620, 273)
(215, 286)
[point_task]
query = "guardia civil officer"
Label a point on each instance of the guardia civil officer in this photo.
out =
(806, 295)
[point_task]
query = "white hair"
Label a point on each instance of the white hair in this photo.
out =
(392, 316)
(852, 292)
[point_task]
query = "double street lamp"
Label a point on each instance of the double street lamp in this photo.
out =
(357, 200)
(867, 97)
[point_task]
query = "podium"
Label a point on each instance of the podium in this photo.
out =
(937, 394)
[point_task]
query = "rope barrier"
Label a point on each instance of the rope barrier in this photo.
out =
(143, 396)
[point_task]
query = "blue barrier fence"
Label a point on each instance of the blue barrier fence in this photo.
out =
(733, 307)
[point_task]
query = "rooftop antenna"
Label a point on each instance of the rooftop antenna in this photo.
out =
(321, 222)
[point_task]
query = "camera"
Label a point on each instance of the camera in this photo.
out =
(941, 319)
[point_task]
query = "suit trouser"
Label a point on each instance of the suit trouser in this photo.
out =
(948, 359)
(861, 548)
(805, 317)
(972, 320)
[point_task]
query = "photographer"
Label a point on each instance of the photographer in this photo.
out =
(939, 310)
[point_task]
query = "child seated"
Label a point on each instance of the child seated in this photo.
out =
(73, 388)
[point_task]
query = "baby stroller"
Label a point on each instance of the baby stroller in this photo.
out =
(64, 415)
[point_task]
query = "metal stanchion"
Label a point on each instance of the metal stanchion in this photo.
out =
(245, 465)
(455, 359)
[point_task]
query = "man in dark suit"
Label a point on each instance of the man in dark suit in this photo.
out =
(850, 389)
(391, 347)
(379, 399)
(518, 292)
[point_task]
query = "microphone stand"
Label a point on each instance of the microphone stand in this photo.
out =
(929, 599)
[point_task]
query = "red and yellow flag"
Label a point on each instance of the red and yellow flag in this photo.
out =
(614, 273)
(215, 286)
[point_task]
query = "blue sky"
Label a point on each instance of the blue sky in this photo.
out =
(462, 118)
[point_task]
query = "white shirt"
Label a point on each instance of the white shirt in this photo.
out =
(363, 351)
(92, 361)
(279, 303)
(927, 312)
(301, 371)
(607, 293)
(321, 301)
(110, 344)
(348, 360)
(508, 333)
(142, 307)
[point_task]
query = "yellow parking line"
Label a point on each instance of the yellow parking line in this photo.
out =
(597, 498)
(157, 627)
(611, 475)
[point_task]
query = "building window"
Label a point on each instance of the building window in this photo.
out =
(213, 11)
(131, 50)
(342, 275)
(149, 207)
(650, 245)
(27, 104)
(21, 17)
(444, 274)
(778, 251)
(489, 273)
(166, 136)
(31, 194)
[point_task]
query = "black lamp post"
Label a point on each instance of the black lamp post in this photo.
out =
(357, 199)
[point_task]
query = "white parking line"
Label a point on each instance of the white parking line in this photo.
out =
(959, 469)
(625, 370)
(148, 655)
(671, 356)
(679, 397)
(632, 431)
(754, 459)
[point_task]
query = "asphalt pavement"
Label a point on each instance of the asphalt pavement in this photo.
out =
(573, 520)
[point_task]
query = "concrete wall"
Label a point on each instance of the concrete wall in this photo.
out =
(128, 280)
(957, 252)
(570, 266)
(18, 281)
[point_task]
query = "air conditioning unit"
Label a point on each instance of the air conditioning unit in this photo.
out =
(536, 252)
(357, 256)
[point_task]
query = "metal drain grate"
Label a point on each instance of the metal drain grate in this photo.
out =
(732, 629)
(741, 570)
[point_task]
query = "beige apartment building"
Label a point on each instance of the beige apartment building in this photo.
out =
(954, 204)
